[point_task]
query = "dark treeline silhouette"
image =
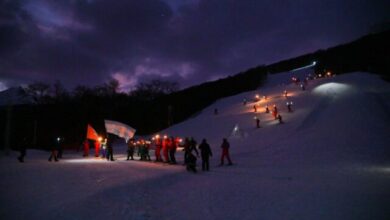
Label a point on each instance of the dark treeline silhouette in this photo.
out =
(158, 104)
(369, 53)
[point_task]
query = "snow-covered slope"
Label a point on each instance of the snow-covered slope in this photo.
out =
(329, 160)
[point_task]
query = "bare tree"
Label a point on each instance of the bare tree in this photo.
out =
(153, 89)
(38, 91)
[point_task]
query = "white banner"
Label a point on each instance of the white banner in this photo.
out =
(119, 129)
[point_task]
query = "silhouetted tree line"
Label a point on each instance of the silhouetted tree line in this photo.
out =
(154, 105)
(370, 53)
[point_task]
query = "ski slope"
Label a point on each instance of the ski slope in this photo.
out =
(329, 160)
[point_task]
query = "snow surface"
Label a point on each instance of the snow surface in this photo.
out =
(329, 160)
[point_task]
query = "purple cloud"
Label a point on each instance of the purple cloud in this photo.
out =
(92, 41)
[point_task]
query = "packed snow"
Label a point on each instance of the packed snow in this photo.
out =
(330, 159)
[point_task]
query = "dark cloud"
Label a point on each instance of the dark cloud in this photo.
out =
(91, 41)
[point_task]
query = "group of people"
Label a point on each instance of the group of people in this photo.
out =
(166, 148)
(190, 147)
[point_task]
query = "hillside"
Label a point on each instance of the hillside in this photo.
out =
(329, 160)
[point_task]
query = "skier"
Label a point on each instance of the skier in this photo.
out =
(275, 112)
(302, 87)
(225, 152)
(130, 149)
(289, 106)
(254, 108)
(157, 151)
(191, 162)
(245, 101)
(205, 152)
(257, 122)
(285, 93)
(280, 119)
(266, 109)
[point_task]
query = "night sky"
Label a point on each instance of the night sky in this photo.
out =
(89, 42)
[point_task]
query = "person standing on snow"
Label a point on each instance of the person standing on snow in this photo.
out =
(130, 149)
(147, 147)
(205, 152)
(191, 163)
(193, 145)
(59, 147)
(172, 150)
(110, 151)
(97, 147)
(186, 149)
(86, 148)
(165, 145)
(225, 152)
(157, 150)
(54, 148)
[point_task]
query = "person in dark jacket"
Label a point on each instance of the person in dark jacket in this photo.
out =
(110, 151)
(191, 162)
(257, 122)
(186, 149)
(225, 152)
(54, 150)
(130, 149)
(193, 144)
(59, 142)
(172, 147)
(205, 152)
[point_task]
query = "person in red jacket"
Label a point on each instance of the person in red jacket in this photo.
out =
(275, 112)
(165, 144)
(86, 148)
(97, 148)
(157, 151)
(225, 152)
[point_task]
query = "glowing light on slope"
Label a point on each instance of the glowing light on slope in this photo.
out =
(305, 67)
(332, 89)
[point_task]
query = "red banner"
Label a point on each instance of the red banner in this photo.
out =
(91, 133)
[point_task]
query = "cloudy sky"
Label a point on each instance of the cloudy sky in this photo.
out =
(89, 42)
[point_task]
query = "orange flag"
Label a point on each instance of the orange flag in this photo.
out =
(91, 133)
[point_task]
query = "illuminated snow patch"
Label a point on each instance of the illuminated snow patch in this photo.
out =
(3, 86)
(332, 88)
(85, 160)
